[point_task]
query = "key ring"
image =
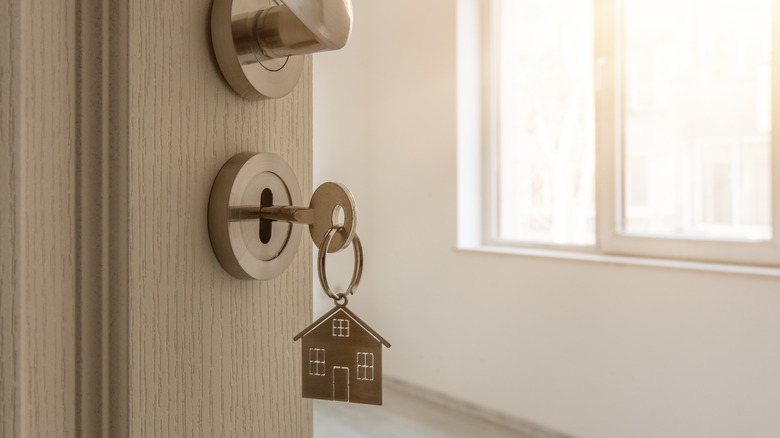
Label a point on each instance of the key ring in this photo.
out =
(356, 274)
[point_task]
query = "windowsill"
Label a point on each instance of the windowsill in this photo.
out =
(623, 260)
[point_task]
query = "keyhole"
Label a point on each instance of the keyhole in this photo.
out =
(266, 200)
(337, 218)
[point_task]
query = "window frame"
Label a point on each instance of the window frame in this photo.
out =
(365, 367)
(490, 104)
(343, 329)
(610, 239)
(317, 362)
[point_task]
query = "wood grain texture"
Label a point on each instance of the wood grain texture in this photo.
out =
(115, 317)
(208, 355)
(9, 281)
(38, 227)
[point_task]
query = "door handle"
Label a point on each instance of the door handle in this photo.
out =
(259, 43)
(300, 27)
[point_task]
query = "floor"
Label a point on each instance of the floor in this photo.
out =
(402, 416)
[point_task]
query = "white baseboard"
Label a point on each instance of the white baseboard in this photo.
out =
(523, 427)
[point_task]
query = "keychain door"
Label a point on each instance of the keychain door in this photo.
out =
(341, 384)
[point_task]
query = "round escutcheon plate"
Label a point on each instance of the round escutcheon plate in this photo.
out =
(236, 243)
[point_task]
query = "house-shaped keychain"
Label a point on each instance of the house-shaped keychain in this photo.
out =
(342, 359)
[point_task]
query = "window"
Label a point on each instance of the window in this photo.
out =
(316, 362)
(638, 127)
(341, 328)
(542, 125)
(365, 366)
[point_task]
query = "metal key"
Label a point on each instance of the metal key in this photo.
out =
(327, 201)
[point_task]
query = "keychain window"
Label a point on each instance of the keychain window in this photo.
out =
(316, 362)
(365, 366)
(341, 328)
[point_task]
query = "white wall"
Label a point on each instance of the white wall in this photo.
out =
(596, 350)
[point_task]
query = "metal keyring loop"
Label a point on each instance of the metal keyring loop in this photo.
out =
(356, 273)
(340, 297)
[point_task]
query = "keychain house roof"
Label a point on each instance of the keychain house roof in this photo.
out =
(341, 359)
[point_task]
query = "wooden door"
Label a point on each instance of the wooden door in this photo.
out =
(116, 319)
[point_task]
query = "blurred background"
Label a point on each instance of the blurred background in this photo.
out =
(533, 341)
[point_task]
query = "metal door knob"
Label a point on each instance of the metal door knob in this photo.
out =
(300, 27)
(259, 43)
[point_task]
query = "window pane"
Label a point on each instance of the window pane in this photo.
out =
(696, 117)
(545, 121)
